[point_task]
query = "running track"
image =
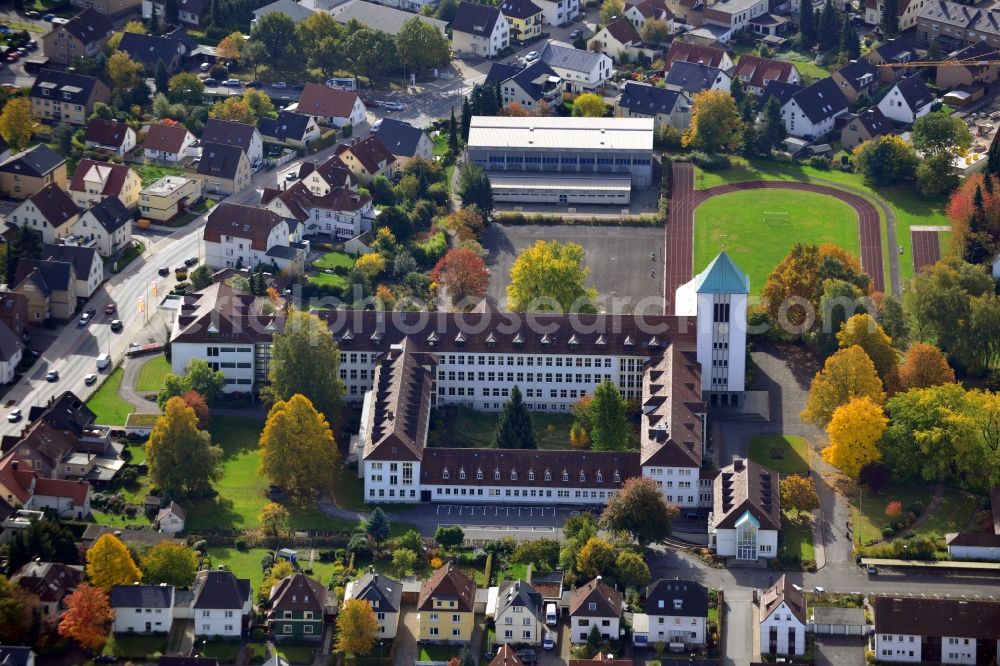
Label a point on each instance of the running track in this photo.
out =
(926, 249)
(679, 242)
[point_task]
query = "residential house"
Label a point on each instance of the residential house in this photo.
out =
(367, 159)
(921, 630)
(981, 546)
(108, 225)
(67, 499)
(83, 36)
(330, 106)
(782, 91)
(558, 12)
(953, 76)
(666, 107)
(12, 655)
(479, 30)
(65, 97)
(111, 8)
(87, 265)
(13, 312)
(236, 235)
(49, 286)
(446, 605)
(42, 448)
(381, 17)
(11, 353)
(863, 127)
(746, 512)
(51, 583)
(639, 13)
(856, 78)
(595, 604)
(405, 141)
(771, 25)
(506, 656)
(295, 129)
(111, 136)
(171, 518)
(811, 112)
(582, 71)
(676, 614)
(532, 87)
(142, 609)
(690, 52)
(519, 614)
(298, 608)
(224, 169)
(222, 604)
(31, 170)
(755, 72)
(246, 137)
(94, 182)
(692, 78)
(150, 50)
(169, 143)
(954, 24)
(782, 611)
(137, 539)
(360, 244)
(731, 17)
(320, 178)
(340, 213)
(908, 100)
(384, 594)
(908, 12)
(51, 212)
(293, 10)
(189, 12)
(618, 39)
(893, 52)
(169, 197)
(524, 18)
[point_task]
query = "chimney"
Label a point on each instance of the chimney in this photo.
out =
(13, 465)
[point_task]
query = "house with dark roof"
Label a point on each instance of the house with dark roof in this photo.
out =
(87, 265)
(320, 178)
(367, 159)
(66, 97)
(384, 594)
(299, 606)
(111, 136)
(107, 226)
(643, 11)
(953, 75)
(382, 17)
(746, 512)
(340, 213)
(664, 106)
(14, 312)
(864, 126)
(811, 112)
(620, 38)
(329, 106)
(755, 72)
(49, 286)
(293, 10)
(142, 609)
(934, 630)
(524, 18)
(856, 78)
(231, 133)
(224, 169)
(531, 87)
(169, 142)
(50, 211)
(893, 52)
(908, 100)
(692, 77)
(581, 71)
(783, 91)
(11, 655)
(189, 12)
(479, 30)
(446, 605)
(221, 605)
(150, 50)
(295, 129)
(519, 614)
(712, 56)
(94, 182)
(84, 35)
(907, 11)
(595, 604)
(978, 546)
(31, 170)
(11, 350)
(236, 235)
(51, 583)
(676, 614)
(783, 619)
(404, 141)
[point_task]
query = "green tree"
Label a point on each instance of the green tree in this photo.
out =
(992, 159)
(123, 72)
(890, 17)
(638, 510)
(405, 560)
(305, 360)
(550, 276)
(893, 320)
(162, 77)
(514, 428)
(15, 612)
(840, 301)
(886, 160)
(632, 570)
(609, 429)
(612, 9)
(936, 176)
(941, 133)
(475, 190)
(185, 88)
(297, 449)
(715, 122)
(200, 277)
(467, 120)
(850, 45)
(181, 458)
(169, 563)
(47, 540)
(807, 26)
(371, 52)
(597, 557)
(449, 537)
(377, 526)
(420, 45)
(589, 105)
(829, 26)
(452, 135)
(276, 32)
(198, 377)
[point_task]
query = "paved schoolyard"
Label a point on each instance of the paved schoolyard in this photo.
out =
(626, 263)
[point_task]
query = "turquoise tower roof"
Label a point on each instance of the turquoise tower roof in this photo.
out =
(722, 277)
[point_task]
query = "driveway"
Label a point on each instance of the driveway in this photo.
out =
(840, 650)
(737, 623)
(406, 637)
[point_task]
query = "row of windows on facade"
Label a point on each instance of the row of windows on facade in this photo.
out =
(455, 617)
(632, 363)
(495, 492)
(599, 477)
(207, 628)
(565, 161)
(435, 632)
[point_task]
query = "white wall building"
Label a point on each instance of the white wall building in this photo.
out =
(384, 594)
(479, 30)
(222, 604)
(595, 604)
(244, 236)
(676, 614)
(520, 614)
(558, 12)
(51, 212)
(908, 100)
(581, 71)
(142, 609)
(949, 631)
(746, 514)
(782, 619)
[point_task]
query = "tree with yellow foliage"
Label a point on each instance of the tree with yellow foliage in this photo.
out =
(109, 563)
(595, 558)
(864, 331)
(123, 72)
(230, 46)
(357, 627)
(550, 276)
(372, 264)
(16, 123)
(715, 122)
(297, 450)
(855, 431)
(798, 494)
(847, 374)
(589, 105)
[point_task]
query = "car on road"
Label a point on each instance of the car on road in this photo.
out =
(531, 57)
(84, 319)
(691, 515)
(164, 271)
(871, 570)
(12, 57)
(576, 33)
(31, 13)
(191, 261)
(210, 82)
(798, 588)
(204, 67)
(110, 309)
(279, 84)
(232, 83)
(254, 84)
(180, 269)
(49, 17)
(90, 379)
(116, 326)
(299, 86)
(53, 376)
(819, 590)
(14, 416)
(376, 125)
(549, 642)
(105, 659)
(394, 106)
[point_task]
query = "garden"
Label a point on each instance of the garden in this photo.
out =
(107, 404)
(785, 454)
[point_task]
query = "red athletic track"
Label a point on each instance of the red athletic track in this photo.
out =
(679, 249)
(926, 249)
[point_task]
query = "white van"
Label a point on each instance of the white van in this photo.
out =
(551, 617)
(103, 361)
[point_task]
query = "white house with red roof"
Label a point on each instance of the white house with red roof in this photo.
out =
(169, 142)
(244, 236)
(95, 181)
(28, 489)
(330, 106)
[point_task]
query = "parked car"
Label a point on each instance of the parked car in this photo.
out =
(531, 57)
(819, 590)
(254, 84)
(116, 326)
(53, 376)
(110, 309)
(90, 379)
(13, 57)
(14, 416)
(576, 33)
(549, 642)
(871, 570)
(164, 271)
(84, 319)
(279, 84)
(299, 86)
(204, 67)
(232, 83)
(210, 82)
(191, 261)
(31, 13)
(49, 17)
(394, 106)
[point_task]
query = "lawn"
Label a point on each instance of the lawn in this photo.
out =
(224, 652)
(328, 280)
(134, 646)
(246, 564)
(911, 208)
(785, 454)
(152, 374)
(296, 654)
(151, 173)
(334, 259)
(107, 405)
(439, 652)
(796, 536)
(952, 514)
(348, 490)
(464, 427)
(804, 62)
(757, 242)
(868, 523)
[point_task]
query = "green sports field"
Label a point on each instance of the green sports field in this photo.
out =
(737, 223)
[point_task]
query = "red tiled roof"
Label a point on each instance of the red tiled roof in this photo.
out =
(623, 30)
(318, 100)
(783, 591)
(13, 480)
(506, 657)
(106, 132)
(242, 221)
(448, 583)
(370, 152)
(759, 69)
(76, 490)
(169, 138)
(688, 52)
(114, 176)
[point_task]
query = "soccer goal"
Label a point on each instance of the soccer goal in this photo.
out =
(775, 218)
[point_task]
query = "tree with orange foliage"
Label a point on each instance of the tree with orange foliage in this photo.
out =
(384, 294)
(467, 223)
(924, 366)
(463, 272)
(87, 618)
(196, 401)
(515, 110)
(961, 206)
(230, 46)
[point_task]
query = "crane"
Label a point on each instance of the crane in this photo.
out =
(940, 63)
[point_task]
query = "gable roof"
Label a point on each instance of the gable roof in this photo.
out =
(520, 9)
(88, 26)
(151, 49)
(896, 50)
(318, 100)
(448, 583)
(220, 590)
(858, 73)
(106, 132)
(370, 152)
(111, 214)
(651, 9)
(229, 132)
(519, 594)
(10, 344)
(197, 7)
(475, 19)
(976, 51)
(874, 122)
(49, 581)
(381, 591)
(82, 258)
(937, 617)
(506, 657)
(914, 92)
(66, 412)
(298, 592)
(288, 125)
(567, 57)
(37, 161)
(76, 491)
(721, 276)
(499, 72)
(400, 138)
(242, 221)
(692, 76)
(685, 598)
(380, 17)
(220, 160)
(783, 591)
(763, 70)
(821, 100)
(746, 490)
(299, 200)
(174, 509)
(401, 407)
(690, 52)
(64, 86)
(648, 100)
(783, 91)
(289, 8)
(623, 31)
(112, 175)
(607, 601)
(533, 79)
(142, 596)
(54, 204)
(166, 137)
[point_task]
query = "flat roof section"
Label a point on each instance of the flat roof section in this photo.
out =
(559, 181)
(566, 133)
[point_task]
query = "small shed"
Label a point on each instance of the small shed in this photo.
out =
(140, 425)
(288, 554)
(833, 621)
(171, 518)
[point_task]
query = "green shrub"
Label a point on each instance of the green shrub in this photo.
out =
(431, 250)
(820, 162)
(710, 162)
(241, 544)
(347, 130)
